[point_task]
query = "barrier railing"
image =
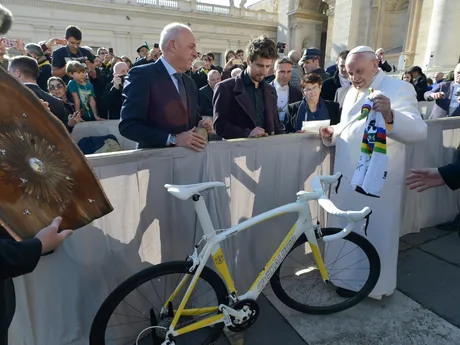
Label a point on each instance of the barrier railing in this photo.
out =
(149, 226)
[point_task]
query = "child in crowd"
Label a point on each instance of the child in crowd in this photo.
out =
(82, 91)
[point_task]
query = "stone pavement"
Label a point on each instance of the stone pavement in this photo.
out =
(425, 310)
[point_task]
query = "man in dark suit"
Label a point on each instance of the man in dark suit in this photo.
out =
(245, 106)
(18, 258)
(160, 107)
(447, 96)
(286, 94)
(25, 69)
(340, 79)
(383, 64)
(112, 100)
(206, 93)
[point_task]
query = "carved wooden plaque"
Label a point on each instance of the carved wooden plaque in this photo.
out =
(43, 173)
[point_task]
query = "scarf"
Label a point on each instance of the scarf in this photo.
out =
(371, 171)
(44, 63)
(321, 113)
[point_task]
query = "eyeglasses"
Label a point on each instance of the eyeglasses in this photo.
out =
(55, 87)
(313, 89)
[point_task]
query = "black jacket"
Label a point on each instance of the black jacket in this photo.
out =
(142, 61)
(99, 83)
(56, 105)
(234, 113)
(421, 86)
(322, 74)
(112, 101)
(385, 66)
(200, 78)
(152, 107)
(294, 94)
(451, 175)
(43, 75)
(16, 258)
(330, 86)
(205, 101)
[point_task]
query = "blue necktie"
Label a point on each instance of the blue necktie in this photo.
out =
(182, 92)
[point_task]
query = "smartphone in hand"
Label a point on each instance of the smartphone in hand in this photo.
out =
(9, 43)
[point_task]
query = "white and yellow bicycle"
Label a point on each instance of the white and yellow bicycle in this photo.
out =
(186, 302)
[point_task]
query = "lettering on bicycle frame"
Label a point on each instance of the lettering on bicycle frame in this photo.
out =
(279, 259)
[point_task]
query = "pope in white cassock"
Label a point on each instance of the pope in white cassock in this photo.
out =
(404, 125)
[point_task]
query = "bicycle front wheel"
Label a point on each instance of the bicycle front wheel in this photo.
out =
(151, 298)
(353, 267)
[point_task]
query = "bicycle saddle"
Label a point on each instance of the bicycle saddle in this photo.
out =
(186, 191)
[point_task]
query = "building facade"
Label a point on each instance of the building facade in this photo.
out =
(126, 24)
(412, 32)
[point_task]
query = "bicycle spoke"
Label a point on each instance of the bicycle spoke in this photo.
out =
(308, 287)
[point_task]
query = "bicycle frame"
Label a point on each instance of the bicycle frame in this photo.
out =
(303, 225)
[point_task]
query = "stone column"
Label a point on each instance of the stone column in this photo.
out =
(305, 33)
(346, 27)
(380, 24)
(442, 51)
(282, 34)
(412, 32)
(330, 27)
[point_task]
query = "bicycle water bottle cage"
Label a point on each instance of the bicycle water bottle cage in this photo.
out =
(338, 184)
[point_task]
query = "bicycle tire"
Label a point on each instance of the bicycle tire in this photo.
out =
(374, 274)
(100, 322)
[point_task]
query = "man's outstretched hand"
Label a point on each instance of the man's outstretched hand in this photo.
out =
(423, 179)
(50, 238)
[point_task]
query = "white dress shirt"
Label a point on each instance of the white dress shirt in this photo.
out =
(171, 72)
(283, 99)
(344, 82)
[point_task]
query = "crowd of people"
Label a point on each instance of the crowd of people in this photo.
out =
(79, 84)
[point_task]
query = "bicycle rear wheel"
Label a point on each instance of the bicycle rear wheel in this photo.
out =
(299, 285)
(138, 303)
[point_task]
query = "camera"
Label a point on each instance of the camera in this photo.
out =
(280, 46)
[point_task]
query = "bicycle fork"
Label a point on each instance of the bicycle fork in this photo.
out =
(313, 242)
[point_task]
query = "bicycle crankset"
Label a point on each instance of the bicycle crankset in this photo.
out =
(247, 305)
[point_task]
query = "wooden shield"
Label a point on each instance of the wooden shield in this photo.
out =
(43, 173)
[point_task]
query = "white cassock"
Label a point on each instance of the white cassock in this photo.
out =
(384, 227)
